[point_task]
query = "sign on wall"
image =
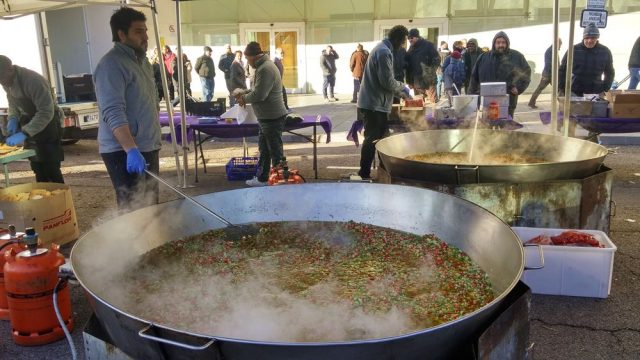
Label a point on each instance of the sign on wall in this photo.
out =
(596, 4)
(598, 17)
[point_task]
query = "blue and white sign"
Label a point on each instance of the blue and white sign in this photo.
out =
(598, 17)
(596, 4)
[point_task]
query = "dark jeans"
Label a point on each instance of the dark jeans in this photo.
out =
(133, 191)
(356, 89)
(329, 82)
(47, 171)
(284, 97)
(544, 82)
(376, 126)
(232, 100)
(269, 145)
(513, 102)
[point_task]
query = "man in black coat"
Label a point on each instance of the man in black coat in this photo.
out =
(328, 66)
(224, 65)
(591, 61)
(469, 58)
(423, 60)
(502, 64)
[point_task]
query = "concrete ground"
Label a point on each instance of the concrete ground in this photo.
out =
(561, 327)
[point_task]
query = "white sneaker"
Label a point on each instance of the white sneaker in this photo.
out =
(255, 182)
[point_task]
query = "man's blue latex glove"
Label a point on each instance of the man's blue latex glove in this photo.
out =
(12, 125)
(16, 139)
(135, 161)
(406, 92)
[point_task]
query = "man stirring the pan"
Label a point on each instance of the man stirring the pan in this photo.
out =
(129, 131)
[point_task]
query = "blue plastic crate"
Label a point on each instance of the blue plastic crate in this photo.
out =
(241, 168)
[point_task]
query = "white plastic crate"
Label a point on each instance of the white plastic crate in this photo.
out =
(569, 270)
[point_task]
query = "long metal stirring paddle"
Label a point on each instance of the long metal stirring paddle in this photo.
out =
(192, 200)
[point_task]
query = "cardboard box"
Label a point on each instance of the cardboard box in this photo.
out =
(624, 103)
(493, 88)
(53, 218)
(501, 100)
(569, 270)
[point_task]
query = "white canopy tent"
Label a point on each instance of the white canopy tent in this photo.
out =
(12, 9)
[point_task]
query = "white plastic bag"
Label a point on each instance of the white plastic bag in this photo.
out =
(245, 114)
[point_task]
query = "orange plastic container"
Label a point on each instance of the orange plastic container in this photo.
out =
(30, 280)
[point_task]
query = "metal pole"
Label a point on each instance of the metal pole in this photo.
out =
(183, 115)
(568, 75)
(165, 90)
(554, 67)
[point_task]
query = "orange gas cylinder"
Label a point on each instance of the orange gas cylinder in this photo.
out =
(30, 279)
(8, 240)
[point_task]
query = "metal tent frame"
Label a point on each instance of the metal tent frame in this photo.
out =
(12, 9)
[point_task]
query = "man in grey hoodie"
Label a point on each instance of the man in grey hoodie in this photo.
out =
(376, 94)
(266, 98)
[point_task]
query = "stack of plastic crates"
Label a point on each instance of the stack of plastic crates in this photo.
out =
(241, 168)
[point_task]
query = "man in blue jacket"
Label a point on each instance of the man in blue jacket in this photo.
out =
(545, 80)
(376, 95)
(129, 130)
(592, 65)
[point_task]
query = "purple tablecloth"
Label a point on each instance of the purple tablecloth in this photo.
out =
(234, 130)
(597, 124)
(190, 119)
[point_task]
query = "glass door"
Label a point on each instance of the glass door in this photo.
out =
(434, 29)
(288, 37)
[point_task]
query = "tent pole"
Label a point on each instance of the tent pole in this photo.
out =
(554, 67)
(183, 115)
(165, 89)
(568, 77)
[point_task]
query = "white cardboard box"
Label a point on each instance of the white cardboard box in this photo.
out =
(493, 88)
(569, 270)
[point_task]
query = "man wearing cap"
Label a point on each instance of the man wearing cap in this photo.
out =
(268, 105)
(591, 62)
(224, 65)
(33, 120)
(545, 80)
(129, 131)
(206, 69)
(423, 62)
(502, 64)
(376, 95)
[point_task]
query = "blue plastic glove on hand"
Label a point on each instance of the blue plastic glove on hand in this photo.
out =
(135, 161)
(407, 92)
(16, 139)
(12, 125)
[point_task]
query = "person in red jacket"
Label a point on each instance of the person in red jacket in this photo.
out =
(167, 57)
(357, 62)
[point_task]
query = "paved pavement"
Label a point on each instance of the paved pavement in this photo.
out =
(561, 327)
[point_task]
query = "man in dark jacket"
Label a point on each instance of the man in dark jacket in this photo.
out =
(224, 65)
(591, 60)
(206, 69)
(469, 58)
(33, 119)
(376, 94)
(634, 65)
(423, 62)
(328, 65)
(356, 63)
(502, 64)
(545, 80)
